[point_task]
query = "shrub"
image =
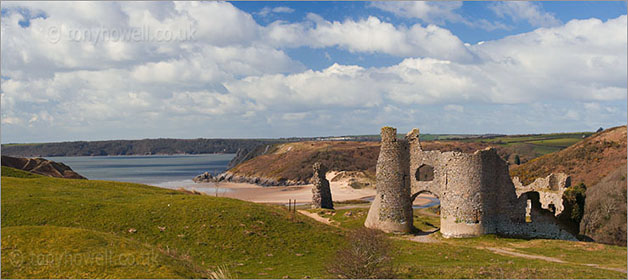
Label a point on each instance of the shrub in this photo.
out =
(368, 255)
(573, 200)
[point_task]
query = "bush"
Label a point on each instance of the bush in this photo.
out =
(368, 255)
(574, 200)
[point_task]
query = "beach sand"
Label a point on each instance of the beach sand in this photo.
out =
(340, 191)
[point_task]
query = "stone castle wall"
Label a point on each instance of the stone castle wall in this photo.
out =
(476, 192)
(393, 212)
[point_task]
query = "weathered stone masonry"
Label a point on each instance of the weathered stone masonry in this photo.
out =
(476, 192)
(321, 194)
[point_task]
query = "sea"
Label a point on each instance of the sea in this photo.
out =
(167, 171)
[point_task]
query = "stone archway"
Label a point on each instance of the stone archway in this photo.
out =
(426, 218)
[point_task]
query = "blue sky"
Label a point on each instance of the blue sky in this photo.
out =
(94, 71)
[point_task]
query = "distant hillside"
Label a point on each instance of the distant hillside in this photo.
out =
(292, 162)
(587, 161)
(39, 166)
(134, 147)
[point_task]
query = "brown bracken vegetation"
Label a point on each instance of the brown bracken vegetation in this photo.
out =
(586, 162)
(293, 161)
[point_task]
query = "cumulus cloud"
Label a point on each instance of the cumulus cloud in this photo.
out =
(242, 82)
(370, 35)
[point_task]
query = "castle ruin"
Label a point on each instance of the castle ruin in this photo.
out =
(477, 195)
(321, 194)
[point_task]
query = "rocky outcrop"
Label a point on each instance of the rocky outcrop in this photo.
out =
(41, 166)
(206, 177)
(262, 181)
(321, 194)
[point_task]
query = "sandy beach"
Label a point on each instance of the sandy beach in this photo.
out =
(340, 191)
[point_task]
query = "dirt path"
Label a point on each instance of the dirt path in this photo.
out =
(510, 252)
(504, 251)
(317, 218)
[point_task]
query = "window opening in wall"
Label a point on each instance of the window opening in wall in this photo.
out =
(528, 211)
(424, 173)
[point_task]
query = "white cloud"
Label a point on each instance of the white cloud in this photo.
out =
(241, 82)
(370, 35)
(525, 11)
(281, 9)
(438, 12)
(430, 12)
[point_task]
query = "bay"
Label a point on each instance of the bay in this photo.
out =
(169, 171)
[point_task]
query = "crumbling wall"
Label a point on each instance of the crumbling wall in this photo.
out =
(321, 193)
(475, 190)
(550, 189)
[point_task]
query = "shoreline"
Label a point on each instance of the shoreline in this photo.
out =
(341, 191)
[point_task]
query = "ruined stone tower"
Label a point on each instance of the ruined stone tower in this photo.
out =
(476, 193)
(321, 194)
(391, 210)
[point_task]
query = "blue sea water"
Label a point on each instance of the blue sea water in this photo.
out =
(159, 170)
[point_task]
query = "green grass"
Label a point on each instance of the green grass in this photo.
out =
(17, 173)
(253, 240)
(426, 220)
(463, 260)
(62, 252)
(539, 144)
(46, 218)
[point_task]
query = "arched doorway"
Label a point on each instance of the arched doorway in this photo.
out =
(426, 211)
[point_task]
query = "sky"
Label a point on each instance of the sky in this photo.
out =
(133, 70)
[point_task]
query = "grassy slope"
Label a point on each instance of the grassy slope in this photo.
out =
(464, 258)
(586, 161)
(63, 252)
(207, 231)
(17, 173)
(52, 216)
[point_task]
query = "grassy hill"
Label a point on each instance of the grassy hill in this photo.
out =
(63, 228)
(199, 232)
(586, 161)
